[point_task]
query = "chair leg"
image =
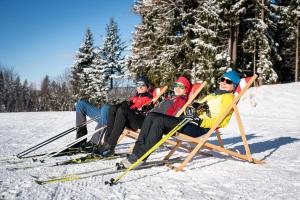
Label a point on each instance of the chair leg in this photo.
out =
(241, 128)
(219, 138)
(189, 158)
(178, 144)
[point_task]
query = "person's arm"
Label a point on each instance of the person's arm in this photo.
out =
(140, 102)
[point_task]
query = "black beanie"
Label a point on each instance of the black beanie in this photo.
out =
(143, 79)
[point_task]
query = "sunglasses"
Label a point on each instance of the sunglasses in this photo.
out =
(178, 85)
(140, 84)
(226, 80)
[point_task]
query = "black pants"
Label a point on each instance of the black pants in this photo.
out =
(154, 126)
(119, 117)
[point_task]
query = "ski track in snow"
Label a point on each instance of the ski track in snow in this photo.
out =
(270, 115)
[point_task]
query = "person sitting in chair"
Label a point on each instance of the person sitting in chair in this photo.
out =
(122, 116)
(207, 112)
(84, 108)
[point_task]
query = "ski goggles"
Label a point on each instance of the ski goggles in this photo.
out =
(180, 85)
(227, 81)
(140, 84)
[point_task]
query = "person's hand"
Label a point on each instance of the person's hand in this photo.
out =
(192, 115)
(147, 108)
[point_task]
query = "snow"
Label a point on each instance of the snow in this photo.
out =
(270, 115)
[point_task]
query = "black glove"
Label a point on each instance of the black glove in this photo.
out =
(201, 106)
(191, 114)
(147, 108)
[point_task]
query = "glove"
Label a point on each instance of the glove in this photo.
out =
(201, 106)
(147, 108)
(191, 114)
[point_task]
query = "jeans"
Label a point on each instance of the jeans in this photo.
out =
(84, 108)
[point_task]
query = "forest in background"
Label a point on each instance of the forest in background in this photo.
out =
(197, 38)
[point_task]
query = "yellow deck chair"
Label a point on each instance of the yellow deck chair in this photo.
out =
(195, 90)
(202, 142)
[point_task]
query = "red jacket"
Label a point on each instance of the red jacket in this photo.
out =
(171, 106)
(139, 100)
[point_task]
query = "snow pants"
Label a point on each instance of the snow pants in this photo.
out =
(119, 117)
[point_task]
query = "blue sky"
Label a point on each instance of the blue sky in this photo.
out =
(39, 37)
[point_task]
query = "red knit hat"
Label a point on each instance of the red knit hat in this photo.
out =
(185, 82)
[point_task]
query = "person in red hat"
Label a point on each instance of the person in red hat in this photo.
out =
(133, 119)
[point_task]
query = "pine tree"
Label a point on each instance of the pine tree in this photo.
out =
(2, 90)
(25, 96)
(45, 95)
(289, 12)
(112, 51)
(208, 47)
(177, 37)
(98, 87)
(19, 100)
(84, 59)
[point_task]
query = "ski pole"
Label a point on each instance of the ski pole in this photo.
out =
(51, 154)
(20, 155)
(35, 147)
(160, 142)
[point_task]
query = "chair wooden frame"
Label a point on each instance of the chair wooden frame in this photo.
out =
(202, 142)
(194, 93)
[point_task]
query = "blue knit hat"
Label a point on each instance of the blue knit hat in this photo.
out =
(233, 76)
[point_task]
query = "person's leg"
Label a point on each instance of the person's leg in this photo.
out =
(154, 126)
(194, 130)
(83, 109)
(110, 121)
(124, 117)
(98, 137)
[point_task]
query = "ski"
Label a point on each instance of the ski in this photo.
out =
(81, 160)
(34, 157)
(91, 158)
(102, 172)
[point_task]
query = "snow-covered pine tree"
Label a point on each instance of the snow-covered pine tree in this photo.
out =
(258, 44)
(84, 59)
(26, 95)
(44, 100)
(289, 11)
(208, 47)
(96, 81)
(2, 92)
(112, 51)
(176, 37)
(19, 102)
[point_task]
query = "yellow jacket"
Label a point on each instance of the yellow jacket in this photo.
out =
(217, 103)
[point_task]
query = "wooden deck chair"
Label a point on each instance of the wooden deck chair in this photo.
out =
(195, 90)
(202, 142)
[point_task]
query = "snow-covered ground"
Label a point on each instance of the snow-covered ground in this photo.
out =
(271, 118)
